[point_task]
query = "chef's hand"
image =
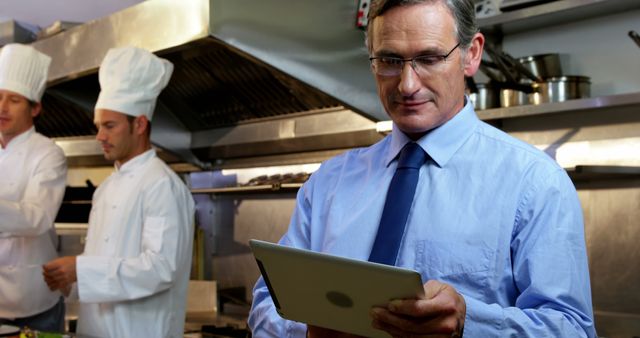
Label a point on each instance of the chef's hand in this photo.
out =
(440, 314)
(60, 273)
(319, 332)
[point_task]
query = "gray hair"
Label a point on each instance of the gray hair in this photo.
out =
(463, 12)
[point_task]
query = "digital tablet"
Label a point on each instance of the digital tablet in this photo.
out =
(330, 291)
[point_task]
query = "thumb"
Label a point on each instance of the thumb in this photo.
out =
(432, 288)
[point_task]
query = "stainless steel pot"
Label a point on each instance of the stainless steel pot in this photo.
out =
(486, 97)
(559, 89)
(542, 66)
(511, 98)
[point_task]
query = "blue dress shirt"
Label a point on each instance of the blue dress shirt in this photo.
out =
(494, 217)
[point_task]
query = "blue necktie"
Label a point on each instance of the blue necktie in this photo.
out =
(396, 207)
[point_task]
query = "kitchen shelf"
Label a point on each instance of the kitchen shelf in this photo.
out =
(255, 189)
(602, 102)
(583, 173)
(71, 229)
(553, 13)
(578, 173)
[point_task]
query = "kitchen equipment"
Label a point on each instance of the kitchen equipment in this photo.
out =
(487, 8)
(11, 31)
(512, 97)
(510, 5)
(515, 74)
(485, 97)
(8, 330)
(635, 37)
(562, 88)
(76, 204)
(542, 66)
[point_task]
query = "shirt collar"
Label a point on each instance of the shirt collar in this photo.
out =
(20, 138)
(136, 162)
(442, 142)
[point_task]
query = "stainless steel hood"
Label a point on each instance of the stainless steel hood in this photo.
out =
(253, 79)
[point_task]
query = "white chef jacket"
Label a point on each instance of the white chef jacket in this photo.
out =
(134, 272)
(33, 176)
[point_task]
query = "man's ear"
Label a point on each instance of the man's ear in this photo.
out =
(474, 55)
(36, 109)
(141, 124)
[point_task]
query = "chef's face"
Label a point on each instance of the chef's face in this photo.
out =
(16, 115)
(421, 99)
(116, 135)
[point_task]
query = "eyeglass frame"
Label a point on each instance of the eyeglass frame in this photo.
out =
(441, 58)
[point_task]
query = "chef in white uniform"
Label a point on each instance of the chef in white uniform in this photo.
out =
(132, 278)
(33, 176)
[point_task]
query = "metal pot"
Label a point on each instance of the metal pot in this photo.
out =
(542, 66)
(512, 97)
(562, 88)
(486, 96)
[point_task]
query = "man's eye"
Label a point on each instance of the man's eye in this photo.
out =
(390, 61)
(428, 60)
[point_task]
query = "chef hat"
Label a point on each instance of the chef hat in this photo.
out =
(131, 79)
(24, 70)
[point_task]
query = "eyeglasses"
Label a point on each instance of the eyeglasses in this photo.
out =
(421, 64)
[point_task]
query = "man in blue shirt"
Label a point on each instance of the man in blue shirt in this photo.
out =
(495, 227)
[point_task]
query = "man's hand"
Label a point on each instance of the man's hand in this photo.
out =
(440, 314)
(60, 273)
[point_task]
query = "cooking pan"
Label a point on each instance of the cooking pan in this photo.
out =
(512, 98)
(561, 88)
(513, 70)
(485, 97)
(542, 66)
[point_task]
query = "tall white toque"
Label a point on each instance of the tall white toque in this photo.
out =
(24, 70)
(131, 79)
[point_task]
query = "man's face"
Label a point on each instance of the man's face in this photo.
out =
(115, 134)
(416, 102)
(16, 115)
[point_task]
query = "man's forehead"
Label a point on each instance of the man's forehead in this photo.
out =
(106, 115)
(425, 25)
(5, 92)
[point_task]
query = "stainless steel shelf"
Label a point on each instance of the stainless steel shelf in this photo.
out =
(602, 102)
(578, 173)
(255, 189)
(553, 13)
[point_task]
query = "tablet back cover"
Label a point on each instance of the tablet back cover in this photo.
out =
(330, 291)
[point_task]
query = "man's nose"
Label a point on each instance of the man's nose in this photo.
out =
(409, 79)
(4, 104)
(100, 136)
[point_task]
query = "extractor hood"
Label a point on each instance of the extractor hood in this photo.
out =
(271, 79)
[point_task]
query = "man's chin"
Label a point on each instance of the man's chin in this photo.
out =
(415, 125)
